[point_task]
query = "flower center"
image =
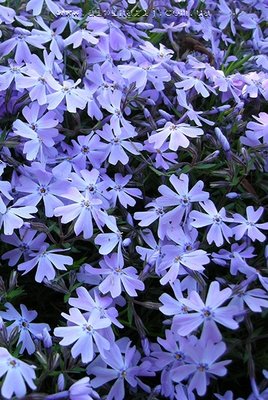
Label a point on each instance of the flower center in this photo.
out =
(202, 367)
(179, 356)
(12, 363)
(123, 374)
(24, 324)
(42, 190)
(118, 188)
(217, 219)
(86, 204)
(41, 79)
(65, 89)
(33, 126)
(184, 200)
(85, 149)
(207, 313)
(159, 211)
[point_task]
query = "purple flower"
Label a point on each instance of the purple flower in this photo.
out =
(12, 217)
(254, 299)
(80, 35)
(148, 217)
(207, 313)
(5, 188)
(7, 14)
(248, 226)
(163, 158)
(182, 198)
(82, 331)
(93, 183)
(170, 305)
(42, 187)
(17, 373)
(177, 133)
(50, 35)
(39, 130)
(81, 210)
(189, 82)
(99, 303)
(152, 255)
(122, 368)
(10, 73)
(20, 40)
(82, 389)
(140, 74)
(46, 261)
(218, 230)
(236, 257)
(118, 143)
(108, 241)
(37, 5)
(88, 150)
(68, 91)
(176, 260)
(174, 354)
(25, 244)
(36, 80)
(225, 16)
(121, 193)
(202, 366)
(117, 277)
(259, 129)
(23, 322)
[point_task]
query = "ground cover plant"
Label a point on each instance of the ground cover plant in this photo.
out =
(133, 199)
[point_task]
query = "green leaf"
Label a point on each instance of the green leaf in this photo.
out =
(205, 166)
(17, 292)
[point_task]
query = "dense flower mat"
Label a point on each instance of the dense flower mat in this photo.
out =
(133, 193)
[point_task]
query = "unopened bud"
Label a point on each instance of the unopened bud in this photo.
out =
(146, 346)
(41, 357)
(222, 139)
(146, 113)
(165, 115)
(212, 156)
(150, 102)
(233, 195)
(126, 242)
(54, 361)
(144, 25)
(60, 382)
(13, 279)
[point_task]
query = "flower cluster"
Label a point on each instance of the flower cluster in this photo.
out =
(133, 198)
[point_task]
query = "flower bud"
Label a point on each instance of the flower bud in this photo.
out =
(144, 25)
(41, 358)
(165, 115)
(222, 139)
(212, 156)
(60, 382)
(232, 195)
(126, 242)
(146, 346)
